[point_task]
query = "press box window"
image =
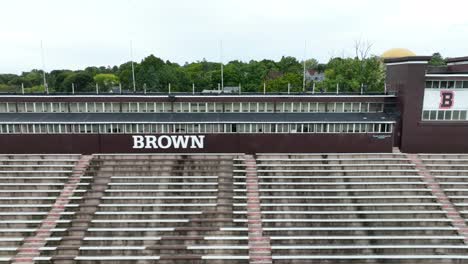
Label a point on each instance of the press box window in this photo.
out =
(425, 115)
(451, 84)
(440, 115)
(443, 84)
(448, 115)
(463, 115)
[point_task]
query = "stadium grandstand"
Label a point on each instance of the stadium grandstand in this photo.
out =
(250, 178)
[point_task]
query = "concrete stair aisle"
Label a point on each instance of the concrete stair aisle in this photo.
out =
(259, 245)
(451, 211)
(69, 246)
(174, 209)
(30, 249)
(210, 221)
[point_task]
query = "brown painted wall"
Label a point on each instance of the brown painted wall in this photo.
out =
(433, 137)
(214, 143)
(418, 136)
(458, 68)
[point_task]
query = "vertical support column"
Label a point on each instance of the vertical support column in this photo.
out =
(31, 246)
(259, 245)
(450, 210)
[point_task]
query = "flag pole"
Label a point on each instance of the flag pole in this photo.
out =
(43, 69)
(221, 61)
(304, 62)
(133, 67)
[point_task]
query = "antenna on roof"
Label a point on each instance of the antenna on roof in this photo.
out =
(221, 61)
(43, 69)
(304, 72)
(133, 67)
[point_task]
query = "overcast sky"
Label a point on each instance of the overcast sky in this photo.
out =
(80, 33)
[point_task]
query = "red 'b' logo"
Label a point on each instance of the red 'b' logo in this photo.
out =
(446, 99)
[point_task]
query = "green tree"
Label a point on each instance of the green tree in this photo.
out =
(350, 73)
(289, 65)
(82, 80)
(281, 84)
(196, 75)
(321, 67)
(124, 73)
(437, 60)
(28, 79)
(147, 73)
(34, 77)
(5, 78)
(156, 74)
(56, 79)
(5, 88)
(233, 73)
(311, 64)
(37, 89)
(255, 73)
(106, 80)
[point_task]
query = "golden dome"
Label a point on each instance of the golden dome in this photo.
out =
(397, 53)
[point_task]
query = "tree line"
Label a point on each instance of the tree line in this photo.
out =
(154, 75)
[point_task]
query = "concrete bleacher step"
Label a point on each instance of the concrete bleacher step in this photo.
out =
(140, 200)
(176, 208)
(38, 239)
(331, 167)
(303, 196)
(334, 161)
(29, 187)
(39, 156)
(437, 189)
(261, 156)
